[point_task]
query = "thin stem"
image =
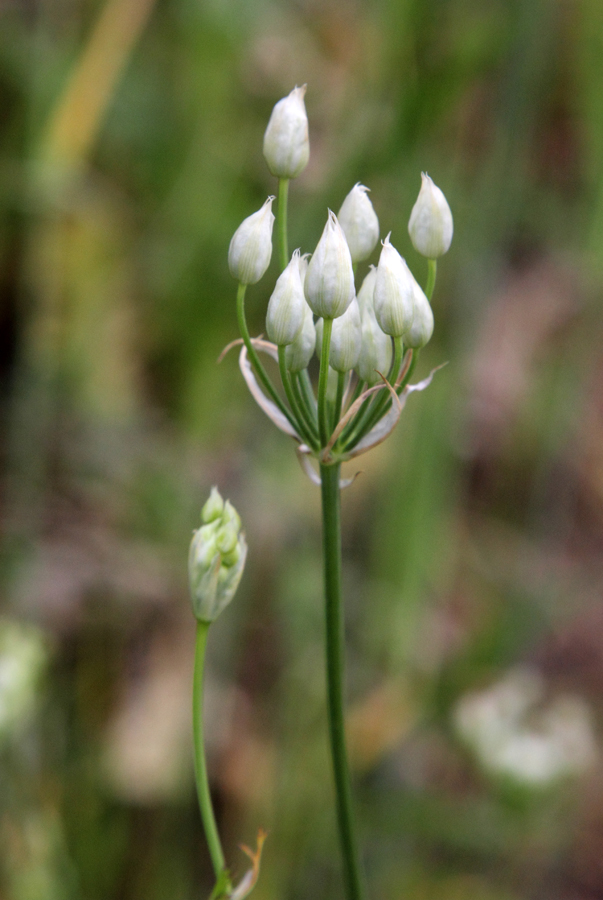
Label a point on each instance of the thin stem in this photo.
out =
(323, 419)
(371, 415)
(205, 804)
(309, 414)
(338, 397)
(300, 424)
(335, 677)
(283, 243)
(255, 360)
(308, 392)
(432, 268)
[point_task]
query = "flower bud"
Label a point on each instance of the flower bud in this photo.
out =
(375, 350)
(216, 559)
(329, 282)
(345, 339)
(286, 306)
(430, 224)
(421, 329)
(286, 143)
(251, 245)
(359, 222)
(367, 291)
(393, 297)
(213, 507)
(299, 353)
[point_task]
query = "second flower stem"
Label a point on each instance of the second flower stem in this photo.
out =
(335, 644)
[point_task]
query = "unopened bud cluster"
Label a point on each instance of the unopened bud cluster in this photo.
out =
(391, 309)
(216, 558)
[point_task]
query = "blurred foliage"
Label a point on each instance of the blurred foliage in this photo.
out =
(130, 150)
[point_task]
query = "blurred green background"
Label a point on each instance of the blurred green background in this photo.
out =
(130, 150)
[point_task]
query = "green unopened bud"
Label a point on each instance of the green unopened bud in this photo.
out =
(430, 225)
(421, 329)
(329, 282)
(359, 222)
(286, 142)
(213, 507)
(230, 516)
(299, 353)
(367, 290)
(285, 314)
(251, 245)
(393, 297)
(216, 561)
(375, 351)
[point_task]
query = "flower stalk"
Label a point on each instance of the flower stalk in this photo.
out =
(360, 390)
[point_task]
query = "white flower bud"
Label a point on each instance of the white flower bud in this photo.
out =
(286, 143)
(421, 329)
(375, 351)
(299, 353)
(216, 559)
(359, 222)
(367, 290)
(286, 306)
(430, 224)
(345, 339)
(329, 283)
(393, 297)
(251, 245)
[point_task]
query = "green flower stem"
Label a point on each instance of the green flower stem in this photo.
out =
(309, 415)
(371, 415)
(338, 398)
(413, 362)
(432, 269)
(300, 424)
(335, 677)
(205, 804)
(283, 243)
(323, 419)
(308, 392)
(254, 358)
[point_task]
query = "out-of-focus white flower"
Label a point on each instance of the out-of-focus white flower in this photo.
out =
(329, 282)
(286, 306)
(393, 297)
(359, 222)
(375, 349)
(430, 225)
(299, 353)
(367, 290)
(251, 245)
(346, 335)
(516, 733)
(421, 329)
(286, 142)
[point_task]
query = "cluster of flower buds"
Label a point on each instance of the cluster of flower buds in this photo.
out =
(216, 558)
(367, 333)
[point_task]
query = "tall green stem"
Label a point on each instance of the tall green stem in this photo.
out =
(335, 643)
(283, 243)
(205, 804)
